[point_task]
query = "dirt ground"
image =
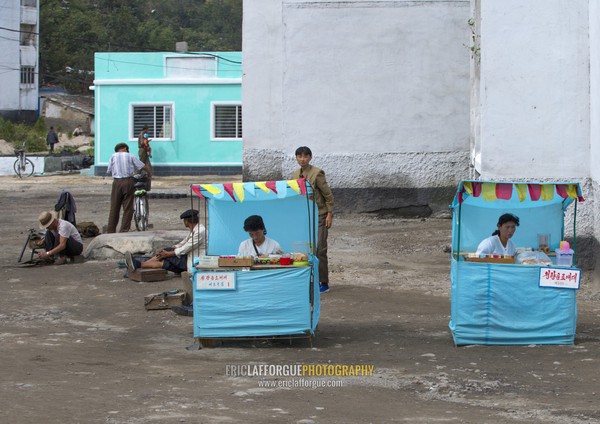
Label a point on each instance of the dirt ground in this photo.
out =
(77, 346)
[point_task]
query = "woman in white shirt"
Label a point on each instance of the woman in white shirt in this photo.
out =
(499, 243)
(258, 244)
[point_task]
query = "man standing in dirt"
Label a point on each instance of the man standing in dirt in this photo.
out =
(324, 200)
(145, 153)
(122, 165)
(51, 139)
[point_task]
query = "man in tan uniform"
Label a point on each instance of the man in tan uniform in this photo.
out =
(324, 200)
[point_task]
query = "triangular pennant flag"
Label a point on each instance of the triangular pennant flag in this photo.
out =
(238, 188)
(488, 191)
(271, 185)
(293, 185)
(249, 187)
(534, 191)
(476, 189)
(228, 187)
(262, 185)
(196, 189)
(281, 187)
(572, 191)
(468, 187)
(579, 194)
(302, 185)
(504, 191)
(521, 191)
(547, 191)
(211, 189)
(561, 190)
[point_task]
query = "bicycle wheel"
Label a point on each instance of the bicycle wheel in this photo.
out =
(24, 169)
(140, 213)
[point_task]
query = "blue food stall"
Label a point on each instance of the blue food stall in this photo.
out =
(499, 303)
(258, 300)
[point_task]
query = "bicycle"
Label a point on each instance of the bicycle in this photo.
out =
(23, 166)
(141, 208)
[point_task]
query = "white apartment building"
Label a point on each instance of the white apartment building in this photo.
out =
(19, 61)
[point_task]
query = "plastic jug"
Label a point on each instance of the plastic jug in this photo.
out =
(564, 254)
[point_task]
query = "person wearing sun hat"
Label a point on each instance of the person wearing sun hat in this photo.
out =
(61, 240)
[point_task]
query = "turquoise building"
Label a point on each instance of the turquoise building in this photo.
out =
(190, 102)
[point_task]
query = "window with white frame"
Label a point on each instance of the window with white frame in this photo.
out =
(227, 121)
(157, 117)
(27, 75)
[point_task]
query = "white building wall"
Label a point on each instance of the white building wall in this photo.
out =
(10, 57)
(16, 101)
(534, 102)
(379, 90)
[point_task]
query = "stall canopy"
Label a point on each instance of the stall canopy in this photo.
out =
(286, 207)
(265, 302)
(503, 304)
(539, 206)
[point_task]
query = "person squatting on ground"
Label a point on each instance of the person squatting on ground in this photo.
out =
(145, 153)
(324, 199)
(62, 239)
(122, 165)
(51, 139)
(177, 258)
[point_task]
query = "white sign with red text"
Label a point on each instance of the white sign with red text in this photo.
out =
(560, 278)
(215, 281)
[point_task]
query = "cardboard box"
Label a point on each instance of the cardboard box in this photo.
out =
(235, 262)
(147, 275)
(158, 301)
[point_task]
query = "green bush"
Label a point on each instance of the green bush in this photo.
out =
(34, 137)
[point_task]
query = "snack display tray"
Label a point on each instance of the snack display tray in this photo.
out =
(510, 260)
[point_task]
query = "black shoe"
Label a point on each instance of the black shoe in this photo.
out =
(185, 310)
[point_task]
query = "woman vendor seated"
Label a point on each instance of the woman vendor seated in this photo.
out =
(499, 243)
(258, 244)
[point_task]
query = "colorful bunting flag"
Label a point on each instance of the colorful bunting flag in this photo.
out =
(293, 184)
(196, 189)
(504, 191)
(534, 191)
(238, 188)
(262, 185)
(488, 191)
(521, 191)
(547, 191)
(228, 187)
(281, 187)
(302, 185)
(468, 187)
(572, 191)
(476, 189)
(271, 186)
(561, 190)
(249, 188)
(211, 189)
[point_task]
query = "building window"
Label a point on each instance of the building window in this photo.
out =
(158, 119)
(227, 122)
(29, 3)
(27, 75)
(28, 35)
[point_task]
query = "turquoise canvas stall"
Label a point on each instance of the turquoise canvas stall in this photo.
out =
(504, 304)
(263, 302)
